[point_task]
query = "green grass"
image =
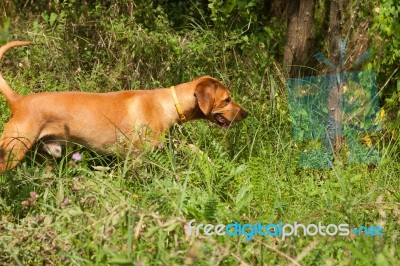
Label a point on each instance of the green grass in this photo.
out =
(124, 211)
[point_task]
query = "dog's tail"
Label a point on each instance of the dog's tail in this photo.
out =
(5, 89)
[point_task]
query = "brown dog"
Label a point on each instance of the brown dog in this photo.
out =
(107, 122)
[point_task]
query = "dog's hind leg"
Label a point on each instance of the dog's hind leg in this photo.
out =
(17, 139)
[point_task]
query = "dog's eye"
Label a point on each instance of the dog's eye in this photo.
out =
(227, 100)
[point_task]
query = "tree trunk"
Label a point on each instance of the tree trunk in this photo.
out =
(300, 36)
(336, 95)
(335, 30)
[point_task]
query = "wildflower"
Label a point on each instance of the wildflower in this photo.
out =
(65, 202)
(33, 195)
(76, 157)
(30, 201)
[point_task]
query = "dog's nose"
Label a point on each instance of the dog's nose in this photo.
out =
(243, 113)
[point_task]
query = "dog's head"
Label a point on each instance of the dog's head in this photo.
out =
(216, 103)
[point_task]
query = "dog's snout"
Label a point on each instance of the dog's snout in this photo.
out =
(243, 113)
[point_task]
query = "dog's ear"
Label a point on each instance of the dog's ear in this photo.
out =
(206, 77)
(205, 94)
(203, 77)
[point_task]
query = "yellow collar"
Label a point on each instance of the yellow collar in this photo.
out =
(177, 105)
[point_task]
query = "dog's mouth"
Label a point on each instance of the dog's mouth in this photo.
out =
(222, 121)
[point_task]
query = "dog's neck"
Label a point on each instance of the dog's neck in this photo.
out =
(177, 104)
(187, 101)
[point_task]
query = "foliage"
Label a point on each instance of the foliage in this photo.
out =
(387, 46)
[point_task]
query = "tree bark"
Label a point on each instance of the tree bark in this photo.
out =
(335, 30)
(335, 100)
(299, 36)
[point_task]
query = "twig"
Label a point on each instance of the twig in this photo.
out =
(306, 250)
(294, 262)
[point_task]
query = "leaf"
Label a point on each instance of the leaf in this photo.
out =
(60, 193)
(152, 231)
(121, 261)
(48, 220)
(243, 198)
(238, 170)
(171, 227)
(356, 178)
(381, 260)
(45, 16)
(75, 212)
(4, 31)
(6, 24)
(53, 18)
(210, 208)
(36, 26)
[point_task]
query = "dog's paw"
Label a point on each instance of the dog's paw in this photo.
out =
(54, 148)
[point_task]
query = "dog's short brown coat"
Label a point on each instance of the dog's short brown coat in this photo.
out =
(106, 121)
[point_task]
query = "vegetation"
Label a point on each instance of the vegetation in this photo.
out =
(124, 211)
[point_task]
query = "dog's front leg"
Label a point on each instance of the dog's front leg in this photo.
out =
(16, 141)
